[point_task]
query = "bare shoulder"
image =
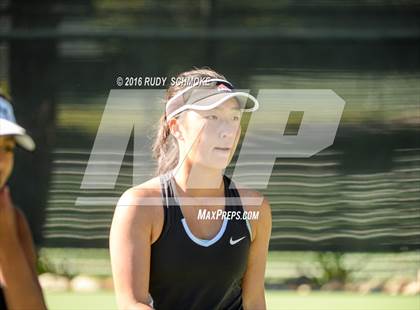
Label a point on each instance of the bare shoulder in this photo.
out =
(143, 195)
(25, 235)
(20, 217)
(24, 230)
(141, 206)
(255, 202)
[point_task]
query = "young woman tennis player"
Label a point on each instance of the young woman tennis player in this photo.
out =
(19, 286)
(163, 255)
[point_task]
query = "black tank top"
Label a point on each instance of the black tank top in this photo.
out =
(191, 273)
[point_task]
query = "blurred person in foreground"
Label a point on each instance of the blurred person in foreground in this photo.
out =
(19, 285)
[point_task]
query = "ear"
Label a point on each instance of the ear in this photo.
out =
(174, 127)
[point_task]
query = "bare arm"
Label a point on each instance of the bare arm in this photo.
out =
(26, 241)
(17, 259)
(130, 241)
(253, 283)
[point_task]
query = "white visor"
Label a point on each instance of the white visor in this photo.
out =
(8, 128)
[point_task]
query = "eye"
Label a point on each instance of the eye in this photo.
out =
(236, 118)
(8, 148)
(212, 117)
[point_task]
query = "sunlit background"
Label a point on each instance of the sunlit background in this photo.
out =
(346, 229)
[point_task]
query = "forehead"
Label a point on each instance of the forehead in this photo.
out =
(231, 104)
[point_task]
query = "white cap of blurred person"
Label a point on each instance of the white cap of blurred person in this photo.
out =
(19, 285)
(10, 135)
(8, 126)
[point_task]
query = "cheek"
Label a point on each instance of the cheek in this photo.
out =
(9, 163)
(200, 144)
(197, 131)
(203, 140)
(192, 125)
(238, 135)
(6, 167)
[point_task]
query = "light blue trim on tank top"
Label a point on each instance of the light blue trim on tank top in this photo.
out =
(205, 242)
(199, 241)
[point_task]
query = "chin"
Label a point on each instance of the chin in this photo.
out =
(215, 162)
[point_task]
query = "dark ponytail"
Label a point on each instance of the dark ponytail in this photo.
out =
(165, 148)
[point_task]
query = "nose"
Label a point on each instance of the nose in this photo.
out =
(228, 130)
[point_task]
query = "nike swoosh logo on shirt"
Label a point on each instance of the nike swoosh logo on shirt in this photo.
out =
(232, 242)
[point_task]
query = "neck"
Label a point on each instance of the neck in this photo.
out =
(199, 181)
